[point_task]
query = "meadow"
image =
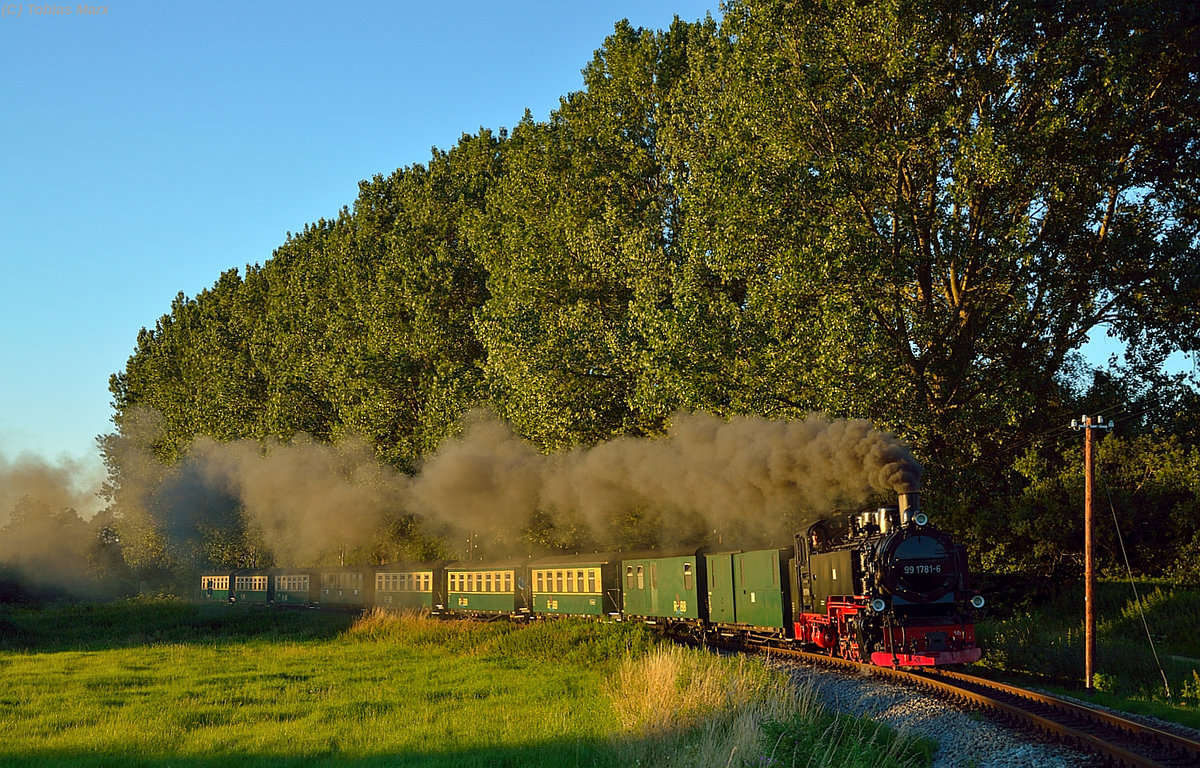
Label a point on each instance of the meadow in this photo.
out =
(157, 683)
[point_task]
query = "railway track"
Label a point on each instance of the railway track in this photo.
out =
(1115, 740)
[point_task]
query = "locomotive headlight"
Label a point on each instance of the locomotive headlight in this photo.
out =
(978, 602)
(921, 518)
(878, 605)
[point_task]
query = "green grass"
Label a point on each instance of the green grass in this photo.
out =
(1046, 646)
(165, 683)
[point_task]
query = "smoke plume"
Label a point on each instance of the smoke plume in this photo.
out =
(741, 481)
(304, 497)
(44, 541)
(745, 478)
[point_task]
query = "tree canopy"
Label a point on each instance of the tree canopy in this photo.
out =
(913, 213)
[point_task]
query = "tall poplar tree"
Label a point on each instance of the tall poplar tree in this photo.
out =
(917, 211)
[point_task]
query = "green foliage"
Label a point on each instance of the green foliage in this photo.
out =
(1048, 643)
(908, 212)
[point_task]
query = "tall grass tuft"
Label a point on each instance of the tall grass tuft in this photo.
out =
(420, 630)
(688, 707)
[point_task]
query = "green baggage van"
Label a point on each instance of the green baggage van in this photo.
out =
(663, 586)
(746, 589)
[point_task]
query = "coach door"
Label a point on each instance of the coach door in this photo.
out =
(720, 589)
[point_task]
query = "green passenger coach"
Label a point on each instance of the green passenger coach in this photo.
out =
(578, 585)
(401, 587)
(486, 588)
(348, 586)
(215, 586)
(295, 587)
(252, 587)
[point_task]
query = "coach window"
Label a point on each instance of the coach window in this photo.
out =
(641, 578)
(687, 576)
(591, 580)
(508, 582)
(570, 581)
(629, 577)
(558, 581)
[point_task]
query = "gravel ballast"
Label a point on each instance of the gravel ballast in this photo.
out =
(963, 740)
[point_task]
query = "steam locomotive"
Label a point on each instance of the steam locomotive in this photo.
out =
(886, 587)
(882, 586)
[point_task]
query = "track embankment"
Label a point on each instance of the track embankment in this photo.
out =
(1114, 739)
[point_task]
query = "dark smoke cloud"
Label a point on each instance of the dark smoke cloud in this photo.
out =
(44, 539)
(65, 484)
(305, 498)
(746, 477)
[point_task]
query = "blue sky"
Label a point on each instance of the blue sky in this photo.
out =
(147, 149)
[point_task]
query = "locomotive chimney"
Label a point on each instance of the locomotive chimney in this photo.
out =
(910, 504)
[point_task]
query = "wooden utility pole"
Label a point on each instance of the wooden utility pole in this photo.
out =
(1089, 559)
